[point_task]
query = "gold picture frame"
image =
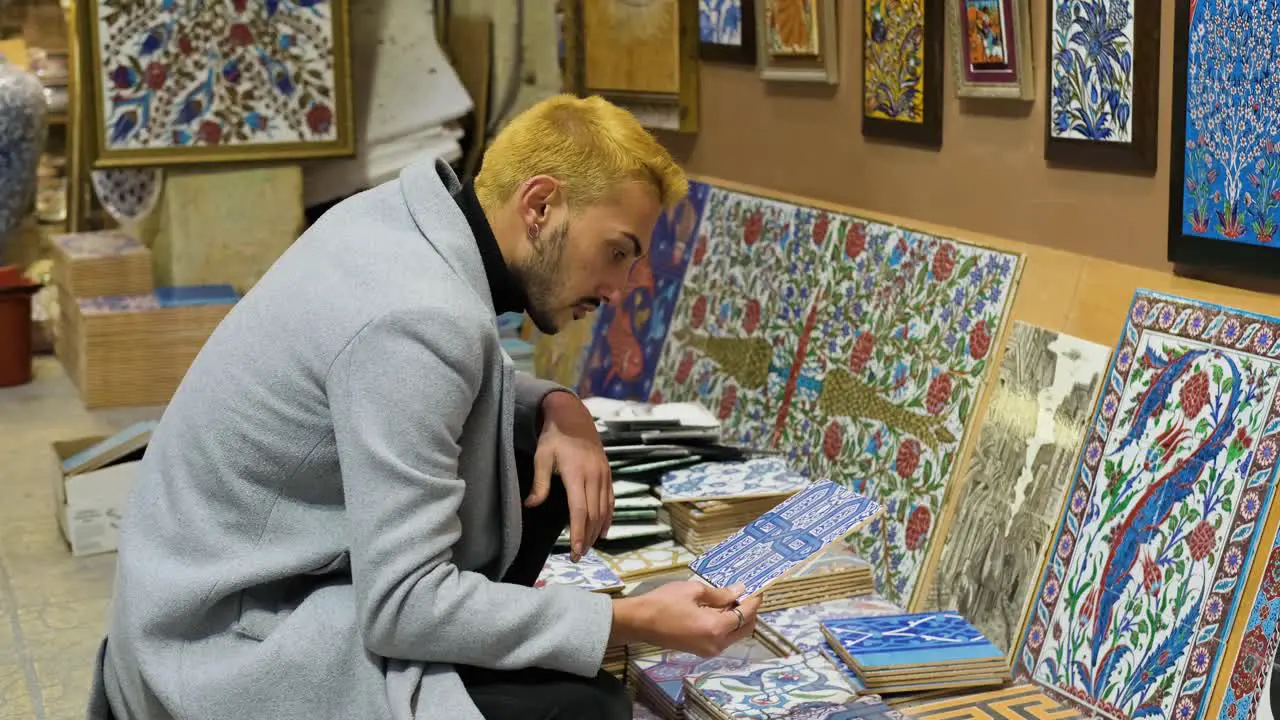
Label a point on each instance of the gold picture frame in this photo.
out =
(822, 68)
(1003, 68)
(205, 143)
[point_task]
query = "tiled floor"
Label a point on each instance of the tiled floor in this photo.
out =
(52, 606)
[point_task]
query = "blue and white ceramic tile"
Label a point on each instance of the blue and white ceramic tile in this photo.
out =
(801, 627)
(786, 536)
(838, 662)
(720, 22)
(108, 304)
(668, 670)
(869, 707)
(104, 243)
(776, 689)
(757, 477)
(591, 572)
(22, 132)
(891, 641)
(128, 194)
(640, 711)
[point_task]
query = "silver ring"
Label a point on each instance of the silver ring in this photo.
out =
(741, 620)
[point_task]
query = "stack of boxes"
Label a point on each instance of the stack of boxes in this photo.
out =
(123, 341)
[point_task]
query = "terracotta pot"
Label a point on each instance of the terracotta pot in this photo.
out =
(15, 326)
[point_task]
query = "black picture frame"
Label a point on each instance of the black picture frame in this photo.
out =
(1139, 155)
(744, 54)
(926, 134)
(1194, 250)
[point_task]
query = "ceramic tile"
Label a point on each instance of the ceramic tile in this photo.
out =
(1019, 701)
(741, 314)
(591, 572)
(640, 711)
(1247, 693)
(16, 702)
(838, 663)
(895, 641)
(836, 558)
(772, 689)
(786, 537)
(628, 338)
(668, 670)
(886, 391)
(90, 245)
(801, 626)
(1015, 484)
(1163, 516)
(864, 708)
(756, 477)
(665, 555)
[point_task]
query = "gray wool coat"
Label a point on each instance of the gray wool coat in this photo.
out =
(327, 502)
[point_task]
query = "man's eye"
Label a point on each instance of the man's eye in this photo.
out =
(619, 256)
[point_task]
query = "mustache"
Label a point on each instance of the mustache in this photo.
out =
(593, 303)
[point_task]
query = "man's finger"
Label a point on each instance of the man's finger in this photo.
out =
(543, 464)
(577, 514)
(721, 597)
(610, 499)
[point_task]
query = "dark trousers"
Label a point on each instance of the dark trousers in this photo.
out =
(534, 693)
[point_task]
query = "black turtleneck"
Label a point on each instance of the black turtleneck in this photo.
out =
(508, 296)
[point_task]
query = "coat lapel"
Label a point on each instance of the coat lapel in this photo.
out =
(428, 188)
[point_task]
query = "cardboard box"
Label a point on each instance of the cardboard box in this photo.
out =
(90, 504)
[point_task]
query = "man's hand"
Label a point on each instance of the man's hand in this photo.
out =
(687, 616)
(570, 445)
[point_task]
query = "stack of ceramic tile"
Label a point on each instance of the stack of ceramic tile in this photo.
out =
(657, 680)
(94, 264)
(708, 503)
(918, 652)
(837, 573)
(135, 349)
(804, 685)
(647, 561)
(593, 574)
(799, 629)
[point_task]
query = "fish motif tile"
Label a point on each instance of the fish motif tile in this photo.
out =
(1146, 583)
(628, 337)
(591, 572)
(895, 641)
(786, 537)
(802, 626)
(668, 670)
(756, 477)
(773, 689)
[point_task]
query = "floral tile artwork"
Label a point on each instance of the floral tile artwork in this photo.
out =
(1246, 692)
(989, 559)
(1231, 186)
(885, 398)
(802, 626)
(1018, 701)
(893, 60)
(627, 340)
(756, 477)
(665, 555)
(792, 27)
(1091, 70)
(774, 689)
(785, 537)
(667, 670)
(886, 642)
(1165, 518)
(741, 314)
(591, 572)
(720, 22)
(240, 74)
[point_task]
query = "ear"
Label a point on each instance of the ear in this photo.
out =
(537, 196)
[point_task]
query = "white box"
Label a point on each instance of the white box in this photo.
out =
(90, 505)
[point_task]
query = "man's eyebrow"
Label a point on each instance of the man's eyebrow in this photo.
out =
(635, 242)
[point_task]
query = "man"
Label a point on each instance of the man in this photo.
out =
(328, 522)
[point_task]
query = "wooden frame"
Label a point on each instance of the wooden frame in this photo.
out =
(742, 54)
(825, 68)
(1139, 154)
(1206, 250)
(661, 111)
(1013, 79)
(341, 111)
(928, 132)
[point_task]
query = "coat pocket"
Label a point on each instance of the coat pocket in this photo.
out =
(264, 607)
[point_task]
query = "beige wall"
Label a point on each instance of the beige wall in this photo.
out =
(990, 176)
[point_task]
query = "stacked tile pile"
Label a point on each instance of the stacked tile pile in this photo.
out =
(593, 574)
(122, 341)
(797, 687)
(657, 680)
(799, 629)
(836, 573)
(709, 502)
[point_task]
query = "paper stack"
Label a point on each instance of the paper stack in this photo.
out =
(799, 629)
(837, 573)
(709, 502)
(916, 652)
(658, 680)
(134, 349)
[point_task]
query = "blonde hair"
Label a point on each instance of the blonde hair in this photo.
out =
(589, 144)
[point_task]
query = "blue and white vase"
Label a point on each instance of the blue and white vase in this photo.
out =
(22, 134)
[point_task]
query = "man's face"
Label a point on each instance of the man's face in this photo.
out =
(574, 265)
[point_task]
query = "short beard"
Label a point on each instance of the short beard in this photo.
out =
(537, 276)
